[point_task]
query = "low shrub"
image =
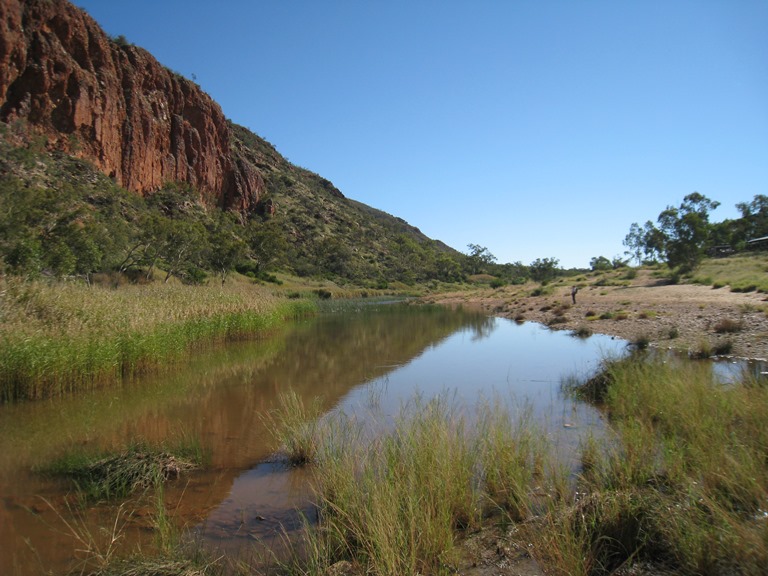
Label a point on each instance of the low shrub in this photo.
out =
(722, 348)
(641, 342)
(728, 326)
(582, 332)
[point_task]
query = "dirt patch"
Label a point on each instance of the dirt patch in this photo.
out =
(685, 317)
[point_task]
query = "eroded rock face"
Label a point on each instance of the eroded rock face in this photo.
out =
(115, 105)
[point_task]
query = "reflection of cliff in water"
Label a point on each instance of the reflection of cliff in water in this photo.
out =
(218, 396)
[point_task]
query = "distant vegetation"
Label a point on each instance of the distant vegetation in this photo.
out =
(61, 218)
(683, 236)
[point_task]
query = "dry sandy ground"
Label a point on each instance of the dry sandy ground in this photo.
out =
(685, 317)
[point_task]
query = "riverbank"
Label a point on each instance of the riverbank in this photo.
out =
(691, 318)
(62, 338)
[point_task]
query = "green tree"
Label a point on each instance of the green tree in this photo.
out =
(687, 231)
(267, 243)
(755, 215)
(600, 263)
(681, 238)
(645, 244)
(479, 259)
(447, 268)
(544, 269)
(226, 246)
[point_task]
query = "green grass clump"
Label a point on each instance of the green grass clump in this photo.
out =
(61, 338)
(295, 427)
(582, 332)
(117, 475)
(511, 460)
(682, 482)
(728, 326)
(397, 500)
(397, 503)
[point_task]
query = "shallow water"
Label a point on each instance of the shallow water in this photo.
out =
(376, 358)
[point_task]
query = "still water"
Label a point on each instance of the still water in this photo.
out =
(375, 355)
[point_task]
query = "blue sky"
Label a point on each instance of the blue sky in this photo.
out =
(533, 128)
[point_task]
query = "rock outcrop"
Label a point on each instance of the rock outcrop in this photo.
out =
(116, 105)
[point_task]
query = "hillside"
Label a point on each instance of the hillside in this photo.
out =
(76, 104)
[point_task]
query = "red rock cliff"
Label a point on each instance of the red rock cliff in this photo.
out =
(115, 105)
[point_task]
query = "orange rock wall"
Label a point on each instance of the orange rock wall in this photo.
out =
(115, 105)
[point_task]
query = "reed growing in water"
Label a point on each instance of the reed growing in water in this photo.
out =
(395, 497)
(679, 482)
(682, 481)
(62, 338)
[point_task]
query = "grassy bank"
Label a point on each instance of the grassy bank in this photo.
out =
(679, 483)
(64, 337)
(743, 273)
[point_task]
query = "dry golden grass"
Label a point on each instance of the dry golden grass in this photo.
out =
(62, 337)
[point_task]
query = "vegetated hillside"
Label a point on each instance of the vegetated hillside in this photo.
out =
(209, 195)
(60, 216)
(328, 233)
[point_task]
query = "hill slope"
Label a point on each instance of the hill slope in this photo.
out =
(66, 89)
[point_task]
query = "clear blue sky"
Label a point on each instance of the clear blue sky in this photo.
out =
(533, 128)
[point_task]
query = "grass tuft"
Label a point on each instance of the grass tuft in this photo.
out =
(116, 476)
(728, 326)
(295, 426)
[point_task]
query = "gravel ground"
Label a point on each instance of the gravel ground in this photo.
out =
(684, 317)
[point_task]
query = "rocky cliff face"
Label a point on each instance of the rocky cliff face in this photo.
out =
(115, 105)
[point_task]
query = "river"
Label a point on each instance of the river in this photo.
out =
(373, 357)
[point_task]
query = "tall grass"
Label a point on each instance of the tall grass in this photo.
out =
(683, 481)
(397, 500)
(295, 427)
(61, 338)
(679, 481)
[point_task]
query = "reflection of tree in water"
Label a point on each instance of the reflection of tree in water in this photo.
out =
(482, 327)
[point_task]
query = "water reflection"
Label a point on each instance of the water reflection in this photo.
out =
(217, 397)
(374, 360)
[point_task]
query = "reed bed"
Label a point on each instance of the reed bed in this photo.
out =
(681, 483)
(678, 484)
(65, 337)
(396, 499)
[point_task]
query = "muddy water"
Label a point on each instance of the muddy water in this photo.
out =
(352, 360)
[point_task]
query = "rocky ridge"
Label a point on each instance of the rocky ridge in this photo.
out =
(63, 78)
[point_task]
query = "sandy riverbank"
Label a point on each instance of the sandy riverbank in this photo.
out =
(685, 317)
